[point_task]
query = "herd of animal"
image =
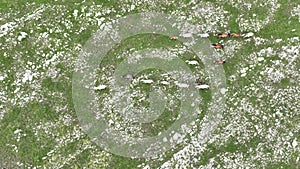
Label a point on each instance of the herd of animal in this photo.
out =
(225, 35)
(198, 85)
(222, 35)
(220, 46)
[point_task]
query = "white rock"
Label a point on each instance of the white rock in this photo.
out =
(244, 70)
(147, 167)
(260, 59)
(17, 131)
(100, 87)
(22, 36)
(177, 137)
(202, 87)
(192, 62)
(204, 35)
(165, 82)
(27, 76)
(265, 117)
(165, 139)
(223, 90)
(75, 13)
(102, 19)
(294, 144)
(278, 40)
(110, 121)
(128, 76)
(181, 85)
(186, 35)
(148, 81)
(132, 7)
(2, 78)
(4, 29)
(247, 35)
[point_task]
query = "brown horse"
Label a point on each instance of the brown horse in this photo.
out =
(220, 62)
(217, 46)
(223, 35)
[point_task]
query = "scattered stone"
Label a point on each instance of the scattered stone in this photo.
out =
(248, 35)
(202, 86)
(100, 87)
(165, 83)
(260, 59)
(295, 143)
(148, 81)
(28, 76)
(192, 62)
(181, 85)
(22, 36)
(75, 13)
(204, 35)
(187, 35)
(129, 76)
(278, 40)
(17, 131)
(223, 90)
(2, 78)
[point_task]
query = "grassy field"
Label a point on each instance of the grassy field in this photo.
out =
(39, 45)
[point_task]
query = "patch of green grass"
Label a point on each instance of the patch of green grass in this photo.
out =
(24, 119)
(124, 162)
(282, 24)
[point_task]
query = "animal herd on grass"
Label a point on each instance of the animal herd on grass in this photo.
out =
(222, 35)
(198, 85)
